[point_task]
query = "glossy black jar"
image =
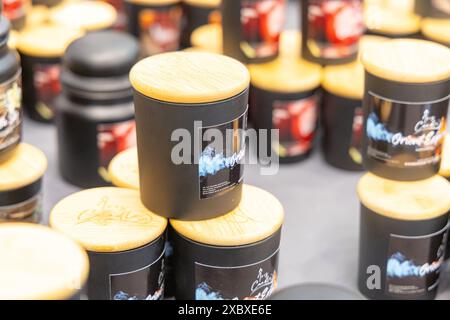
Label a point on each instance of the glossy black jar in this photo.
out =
(95, 117)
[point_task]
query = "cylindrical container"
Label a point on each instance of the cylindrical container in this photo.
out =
(85, 15)
(41, 49)
(445, 162)
(231, 257)
(437, 30)
(331, 30)
(10, 93)
(16, 12)
(124, 241)
(198, 13)
(184, 101)
(122, 18)
(433, 8)
(285, 96)
(21, 174)
(316, 291)
(95, 111)
(342, 112)
(252, 28)
(40, 264)
(444, 282)
(156, 23)
(208, 38)
(403, 236)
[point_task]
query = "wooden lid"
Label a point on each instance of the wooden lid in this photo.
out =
(38, 263)
(25, 165)
(37, 15)
(124, 170)
(154, 2)
(208, 37)
(258, 216)
(85, 15)
(390, 21)
(437, 30)
(189, 77)
(47, 41)
(204, 3)
(418, 200)
(445, 162)
(107, 219)
(409, 61)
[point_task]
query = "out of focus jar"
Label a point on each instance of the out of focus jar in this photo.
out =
(208, 38)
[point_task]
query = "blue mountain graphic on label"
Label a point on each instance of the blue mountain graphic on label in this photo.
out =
(121, 295)
(211, 162)
(427, 132)
(399, 267)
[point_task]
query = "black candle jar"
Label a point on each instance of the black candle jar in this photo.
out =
(125, 242)
(444, 170)
(406, 100)
(207, 38)
(433, 8)
(181, 99)
(198, 13)
(121, 23)
(156, 23)
(403, 236)
(21, 173)
(10, 93)
(95, 112)
(331, 30)
(316, 291)
(285, 96)
(40, 264)
(231, 257)
(16, 12)
(41, 49)
(252, 28)
(437, 30)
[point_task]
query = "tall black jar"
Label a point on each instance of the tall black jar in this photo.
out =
(191, 116)
(95, 118)
(407, 85)
(10, 93)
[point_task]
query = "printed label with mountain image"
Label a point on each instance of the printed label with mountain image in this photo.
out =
(10, 112)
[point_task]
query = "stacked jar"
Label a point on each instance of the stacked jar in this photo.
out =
(436, 20)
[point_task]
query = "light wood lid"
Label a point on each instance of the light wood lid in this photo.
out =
(208, 37)
(204, 3)
(124, 170)
(84, 15)
(189, 77)
(418, 200)
(155, 3)
(47, 41)
(437, 30)
(409, 61)
(107, 219)
(38, 263)
(391, 22)
(258, 216)
(445, 161)
(23, 166)
(37, 15)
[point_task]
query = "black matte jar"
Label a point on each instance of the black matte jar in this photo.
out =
(95, 118)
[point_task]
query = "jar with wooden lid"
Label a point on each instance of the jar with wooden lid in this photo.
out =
(21, 174)
(232, 257)
(124, 170)
(40, 264)
(403, 236)
(437, 30)
(41, 50)
(208, 38)
(407, 85)
(184, 101)
(124, 241)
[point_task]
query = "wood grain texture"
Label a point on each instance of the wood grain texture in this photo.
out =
(391, 22)
(208, 38)
(445, 162)
(437, 30)
(189, 77)
(39, 263)
(124, 170)
(258, 216)
(204, 3)
(418, 200)
(107, 219)
(23, 166)
(408, 61)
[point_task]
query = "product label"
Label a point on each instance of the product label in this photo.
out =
(160, 29)
(14, 9)
(405, 134)
(334, 28)
(10, 112)
(251, 282)
(296, 121)
(355, 151)
(143, 284)
(113, 138)
(48, 87)
(414, 263)
(261, 22)
(220, 166)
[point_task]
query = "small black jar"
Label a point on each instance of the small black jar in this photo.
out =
(331, 30)
(95, 118)
(433, 8)
(125, 242)
(230, 257)
(403, 236)
(407, 85)
(11, 95)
